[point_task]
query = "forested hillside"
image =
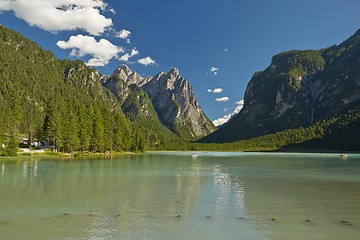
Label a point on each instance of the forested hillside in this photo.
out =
(306, 101)
(339, 133)
(62, 102)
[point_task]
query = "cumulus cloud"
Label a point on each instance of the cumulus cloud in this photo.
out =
(5, 5)
(127, 56)
(124, 34)
(222, 120)
(146, 61)
(226, 50)
(226, 118)
(222, 99)
(101, 51)
(216, 90)
(61, 15)
(214, 70)
(240, 103)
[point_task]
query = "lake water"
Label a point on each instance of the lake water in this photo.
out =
(174, 196)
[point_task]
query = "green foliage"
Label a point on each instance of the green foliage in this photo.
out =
(138, 108)
(294, 65)
(64, 103)
(12, 146)
(335, 134)
(61, 102)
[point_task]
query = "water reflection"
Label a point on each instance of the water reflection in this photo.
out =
(29, 169)
(177, 197)
(224, 187)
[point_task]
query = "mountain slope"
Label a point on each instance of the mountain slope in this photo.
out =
(172, 98)
(60, 101)
(137, 106)
(297, 89)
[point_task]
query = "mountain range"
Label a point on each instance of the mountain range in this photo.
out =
(171, 95)
(75, 108)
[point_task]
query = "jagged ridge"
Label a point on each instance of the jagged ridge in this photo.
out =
(172, 97)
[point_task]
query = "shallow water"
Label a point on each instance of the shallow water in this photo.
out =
(173, 196)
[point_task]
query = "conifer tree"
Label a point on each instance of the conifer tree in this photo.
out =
(85, 128)
(51, 124)
(97, 138)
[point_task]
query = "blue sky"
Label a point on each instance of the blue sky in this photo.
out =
(216, 45)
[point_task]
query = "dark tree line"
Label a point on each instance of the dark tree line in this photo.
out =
(59, 101)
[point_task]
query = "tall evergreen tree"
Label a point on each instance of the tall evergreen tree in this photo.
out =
(108, 129)
(68, 138)
(85, 128)
(121, 136)
(51, 124)
(97, 138)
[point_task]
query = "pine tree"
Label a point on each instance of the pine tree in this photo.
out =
(108, 129)
(12, 145)
(97, 138)
(121, 136)
(85, 128)
(51, 125)
(68, 139)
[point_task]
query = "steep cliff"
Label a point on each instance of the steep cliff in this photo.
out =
(172, 97)
(297, 89)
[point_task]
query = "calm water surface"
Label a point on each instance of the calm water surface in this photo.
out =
(172, 196)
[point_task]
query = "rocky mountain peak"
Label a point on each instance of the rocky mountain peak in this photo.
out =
(174, 72)
(129, 76)
(172, 97)
(123, 71)
(175, 102)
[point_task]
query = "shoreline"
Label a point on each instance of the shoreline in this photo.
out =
(47, 153)
(106, 155)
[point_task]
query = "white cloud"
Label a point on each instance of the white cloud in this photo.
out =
(214, 70)
(61, 15)
(222, 99)
(216, 90)
(222, 120)
(124, 34)
(5, 5)
(240, 103)
(112, 10)
(127, 56)
(146, 61)
(101, 51)
(226, 50)
(226, 118)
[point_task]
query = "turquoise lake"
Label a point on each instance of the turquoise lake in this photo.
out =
(174, 196)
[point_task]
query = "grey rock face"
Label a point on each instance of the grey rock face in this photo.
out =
(130, 77)
(298, 89)
(172, 97)
(174, 100)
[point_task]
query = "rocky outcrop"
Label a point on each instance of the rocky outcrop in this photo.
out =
(130, 77)
(175, 102)
(172, 97)
(297, 89)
